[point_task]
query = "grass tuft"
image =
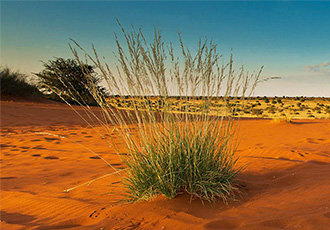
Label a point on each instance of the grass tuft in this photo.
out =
(193, 160)
(170, 150)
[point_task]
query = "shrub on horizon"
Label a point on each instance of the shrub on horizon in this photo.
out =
(66, 79)
(16, 84)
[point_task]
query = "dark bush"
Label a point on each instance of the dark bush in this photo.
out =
(16, 84)
(68, 80)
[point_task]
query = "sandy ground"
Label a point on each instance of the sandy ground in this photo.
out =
(45, 150)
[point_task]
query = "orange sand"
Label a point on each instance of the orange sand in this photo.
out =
(286, 183)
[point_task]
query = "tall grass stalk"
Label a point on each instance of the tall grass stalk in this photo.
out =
(170, 152)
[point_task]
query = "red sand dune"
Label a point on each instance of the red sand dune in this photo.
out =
(285, 185)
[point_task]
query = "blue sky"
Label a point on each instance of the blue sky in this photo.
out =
(291, 39)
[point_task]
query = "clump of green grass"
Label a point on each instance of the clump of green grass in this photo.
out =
(16, 84)
(197, 160)
(171, 151)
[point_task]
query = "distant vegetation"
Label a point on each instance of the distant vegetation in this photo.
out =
(253, 107)
(60, 80)
(16, 84)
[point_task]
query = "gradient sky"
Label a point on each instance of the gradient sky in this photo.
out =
(291, 39)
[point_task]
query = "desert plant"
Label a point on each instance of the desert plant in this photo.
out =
(16, 84)
(66, 79)
(173, 151)
(327, 111)
(257, 112)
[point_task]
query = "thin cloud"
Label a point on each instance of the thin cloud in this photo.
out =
(319, 68)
